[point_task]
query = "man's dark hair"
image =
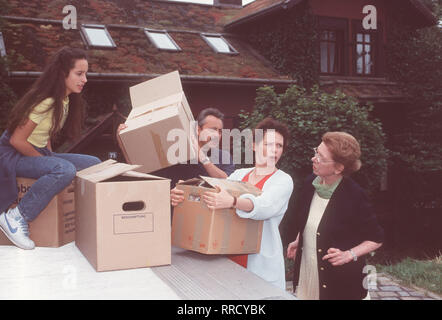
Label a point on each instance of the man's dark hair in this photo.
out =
(209, 112)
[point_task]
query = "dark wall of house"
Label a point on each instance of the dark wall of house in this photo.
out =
(229, 99)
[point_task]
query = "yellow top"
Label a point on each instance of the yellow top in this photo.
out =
(43, 118)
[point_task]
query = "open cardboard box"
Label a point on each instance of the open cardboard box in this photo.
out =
(55, 225)
(123, 217)
(158, 106)
(196, 227)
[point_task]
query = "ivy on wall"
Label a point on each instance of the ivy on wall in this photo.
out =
(290, 41)
(414, 60)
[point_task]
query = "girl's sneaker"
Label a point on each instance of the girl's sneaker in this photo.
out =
(16, 229)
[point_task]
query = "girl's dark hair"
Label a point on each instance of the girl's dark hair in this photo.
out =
(51, 84)
(272, 124)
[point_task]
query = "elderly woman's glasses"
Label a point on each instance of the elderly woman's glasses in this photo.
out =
(319, 158)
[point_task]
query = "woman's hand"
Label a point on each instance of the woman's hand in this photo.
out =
(337, 257)
(218, 200)
(291, 249)
(176, 196)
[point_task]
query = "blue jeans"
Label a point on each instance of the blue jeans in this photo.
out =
(54, 172)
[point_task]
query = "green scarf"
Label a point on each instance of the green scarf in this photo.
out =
(325, 191)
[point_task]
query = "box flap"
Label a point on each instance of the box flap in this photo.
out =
(154, 89)
(137, 174)
(243, 187)
(95, 168)
(194, 182)
(108, 171)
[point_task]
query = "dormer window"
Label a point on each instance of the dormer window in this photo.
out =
(97, 36)
(347, 49)
(218, 43)
(162, 40)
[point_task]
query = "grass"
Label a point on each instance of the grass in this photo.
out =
(426, 274)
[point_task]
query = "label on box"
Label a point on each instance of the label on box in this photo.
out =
(133, 223)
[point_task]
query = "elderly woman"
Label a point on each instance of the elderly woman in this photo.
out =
(270, 206)
(335, 225)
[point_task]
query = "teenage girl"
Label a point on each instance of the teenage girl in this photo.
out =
(52, 102)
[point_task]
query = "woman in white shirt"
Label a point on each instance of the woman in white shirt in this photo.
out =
(270, 206)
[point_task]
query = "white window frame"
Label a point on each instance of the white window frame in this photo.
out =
(217, 35)
(88, 41)
(152, 40)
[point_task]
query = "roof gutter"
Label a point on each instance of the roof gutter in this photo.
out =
(186, 79)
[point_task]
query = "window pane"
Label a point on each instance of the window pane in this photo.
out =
(332, 57)
(359, 49)
(367, 48)
(359, 65)
(98, 37)
(219, 44)
(359, 37)
(324, 57)
(162, 41)
(367, 38)
(367, 64)
(324, 35)
(332, 35)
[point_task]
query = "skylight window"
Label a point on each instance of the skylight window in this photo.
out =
(210, 2)
(2, 46)
(97, 36)
(162, 40)
(219, 44)
(246, 2)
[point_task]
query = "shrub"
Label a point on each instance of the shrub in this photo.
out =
(309, 114)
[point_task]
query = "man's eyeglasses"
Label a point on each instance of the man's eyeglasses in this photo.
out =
(318, 157)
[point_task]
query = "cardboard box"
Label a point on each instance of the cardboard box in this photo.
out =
(158, 106)
(55, 225)
(195, 227)
(123, 217)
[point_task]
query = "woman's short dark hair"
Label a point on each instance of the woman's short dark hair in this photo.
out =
(272, 124)
(209, 112)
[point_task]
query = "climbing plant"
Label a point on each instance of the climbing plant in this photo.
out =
(290, 41)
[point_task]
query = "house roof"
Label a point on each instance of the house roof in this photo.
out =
(34, 34)
(257, 10)
(260, 8)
